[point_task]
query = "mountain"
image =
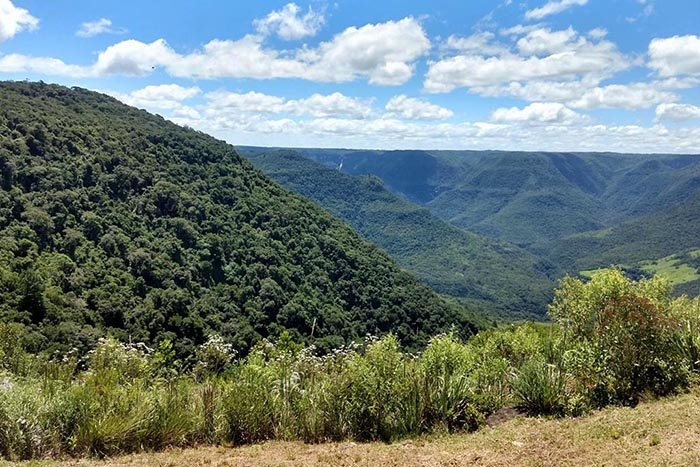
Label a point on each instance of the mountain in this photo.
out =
(576, 211)
(115, 221)
(493, 276)
(526, 198)
(671, 235)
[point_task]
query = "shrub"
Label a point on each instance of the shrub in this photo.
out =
(540, 388)
(621, 337)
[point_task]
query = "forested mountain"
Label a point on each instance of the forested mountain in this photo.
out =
(115, 221)
(523, 197)
(487, 274)
(577, 211)
(671, 234)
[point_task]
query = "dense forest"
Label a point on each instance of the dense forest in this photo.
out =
(490, 275)
(574, 211)
(116, 222)
(499, 193)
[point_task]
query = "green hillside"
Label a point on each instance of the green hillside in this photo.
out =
(664, 243)
(527, 198)
(115, 221)
(490, 275)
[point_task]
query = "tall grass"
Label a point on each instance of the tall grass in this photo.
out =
(124, 398)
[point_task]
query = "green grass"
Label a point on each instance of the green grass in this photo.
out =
(673, 269)
(589, 273)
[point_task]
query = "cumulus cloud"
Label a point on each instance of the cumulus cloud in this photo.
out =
(416, 109)
(542, 42)
(288, 24)
(94, 28)
(161, 96)
(481, 42)
(541, 54)
(518, 133)
(382, 53)
(677, 112)
(589, 95)
(224, 104)
(14, 20)
(133, 58)
(675, 56)
(550, 113)
(553, 7)
(18, 63)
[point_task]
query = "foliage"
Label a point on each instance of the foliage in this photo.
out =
(496, 277)
(614, 340)
(622, 337)
(116, 222)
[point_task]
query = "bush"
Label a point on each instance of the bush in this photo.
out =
(540, 388)
(613, 340)
(621, 337)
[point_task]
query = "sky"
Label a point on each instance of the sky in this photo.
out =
(540, 75)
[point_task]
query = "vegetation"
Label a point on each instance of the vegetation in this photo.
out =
(657, 238)
(116, 222)
(614, 340)
(576, 211)
(499, 193)
(660, 432)
(496, 277)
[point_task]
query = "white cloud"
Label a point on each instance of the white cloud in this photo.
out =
(542, 54)
(588, 95)
(161, 96)
(94, 28)
(597, 33)
(319, 105)
(253, 102)
(382, 53)
(288, 24)
(133, 58)
(519, 29)
(416, 109)
(14, 20)
(481, 42)
(550, 113)
(553, 7)
(675, 56)
(543, 41)
(223, 104)
(623, 96)
(517, 134)
(677, 112)
(17, 63)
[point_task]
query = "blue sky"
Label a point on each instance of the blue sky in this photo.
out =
(602, 75)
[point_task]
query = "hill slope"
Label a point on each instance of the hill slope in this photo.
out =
(634, 243)
(116, 221)
(489, 275)
(527, 198)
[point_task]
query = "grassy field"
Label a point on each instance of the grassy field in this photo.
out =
(670, 267)
(665, 432)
